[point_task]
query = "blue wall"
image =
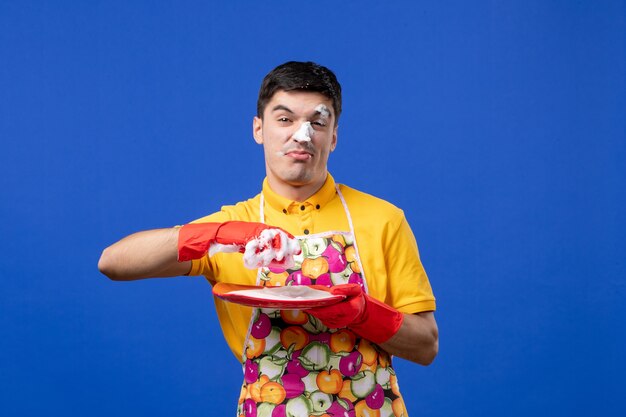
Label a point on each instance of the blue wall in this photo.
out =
(497, 126)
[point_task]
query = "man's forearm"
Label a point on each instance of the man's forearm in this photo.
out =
(417, 340)
(148, 254)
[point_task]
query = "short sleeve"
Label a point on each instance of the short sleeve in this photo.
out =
(409, 289)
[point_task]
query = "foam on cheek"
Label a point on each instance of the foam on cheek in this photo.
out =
(304, 133)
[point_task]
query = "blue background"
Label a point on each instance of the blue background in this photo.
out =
(497, 126)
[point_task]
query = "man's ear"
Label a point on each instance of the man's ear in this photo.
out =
(257, 129)
(333, 144)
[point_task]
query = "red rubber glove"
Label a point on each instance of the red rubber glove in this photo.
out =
(366, 316)
(262, 245)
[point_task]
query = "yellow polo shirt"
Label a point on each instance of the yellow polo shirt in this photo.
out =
(387, 249)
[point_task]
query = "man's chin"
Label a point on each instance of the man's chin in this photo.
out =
(297, 182)
(298, 179)
(299, 175)
(293, 171)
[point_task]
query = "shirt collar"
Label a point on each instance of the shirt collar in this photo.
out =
(317, 200)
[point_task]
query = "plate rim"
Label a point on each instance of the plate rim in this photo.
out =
(222, 290)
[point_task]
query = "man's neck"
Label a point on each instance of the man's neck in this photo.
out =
(297, 193)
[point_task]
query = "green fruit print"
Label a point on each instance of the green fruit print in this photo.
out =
(315, 356)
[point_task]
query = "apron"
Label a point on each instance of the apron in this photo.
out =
(295, 366)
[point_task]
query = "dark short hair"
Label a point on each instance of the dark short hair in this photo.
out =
(294, 75)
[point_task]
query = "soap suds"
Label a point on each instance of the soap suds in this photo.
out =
(288, 293)
(266, 250)
(323, 111)
(304, 133)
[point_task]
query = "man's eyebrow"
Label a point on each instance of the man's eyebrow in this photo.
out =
(315, 113)
(281, 107)
(326, 113)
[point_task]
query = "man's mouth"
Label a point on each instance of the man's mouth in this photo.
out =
(299, 155)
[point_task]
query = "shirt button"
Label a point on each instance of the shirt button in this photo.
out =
(306, 231)
(302, 207)
(285, 211)
(317, 206)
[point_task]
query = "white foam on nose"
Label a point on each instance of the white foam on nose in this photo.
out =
(304, 133)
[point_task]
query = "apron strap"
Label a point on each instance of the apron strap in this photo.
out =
(356, 247)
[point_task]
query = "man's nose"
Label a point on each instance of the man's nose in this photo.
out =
(304, 133)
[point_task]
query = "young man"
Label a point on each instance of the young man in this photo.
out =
(335, 359)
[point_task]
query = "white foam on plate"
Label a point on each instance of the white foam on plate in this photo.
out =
(288, 293)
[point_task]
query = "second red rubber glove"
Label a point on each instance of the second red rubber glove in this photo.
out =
(366, 316)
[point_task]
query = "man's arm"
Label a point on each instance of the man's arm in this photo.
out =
(410, 336)
(149, 254)
(417, 339)
(168, 252)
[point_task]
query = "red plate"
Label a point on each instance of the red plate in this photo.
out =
(284, 298)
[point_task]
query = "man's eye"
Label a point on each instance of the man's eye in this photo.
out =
(318, 123)
(283, 119)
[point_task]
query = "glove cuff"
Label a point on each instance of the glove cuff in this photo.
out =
(379, 321)
(194, 240)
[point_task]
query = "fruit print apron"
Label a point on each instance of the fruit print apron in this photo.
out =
(294, 366)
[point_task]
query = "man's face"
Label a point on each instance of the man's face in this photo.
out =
(298, 133)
